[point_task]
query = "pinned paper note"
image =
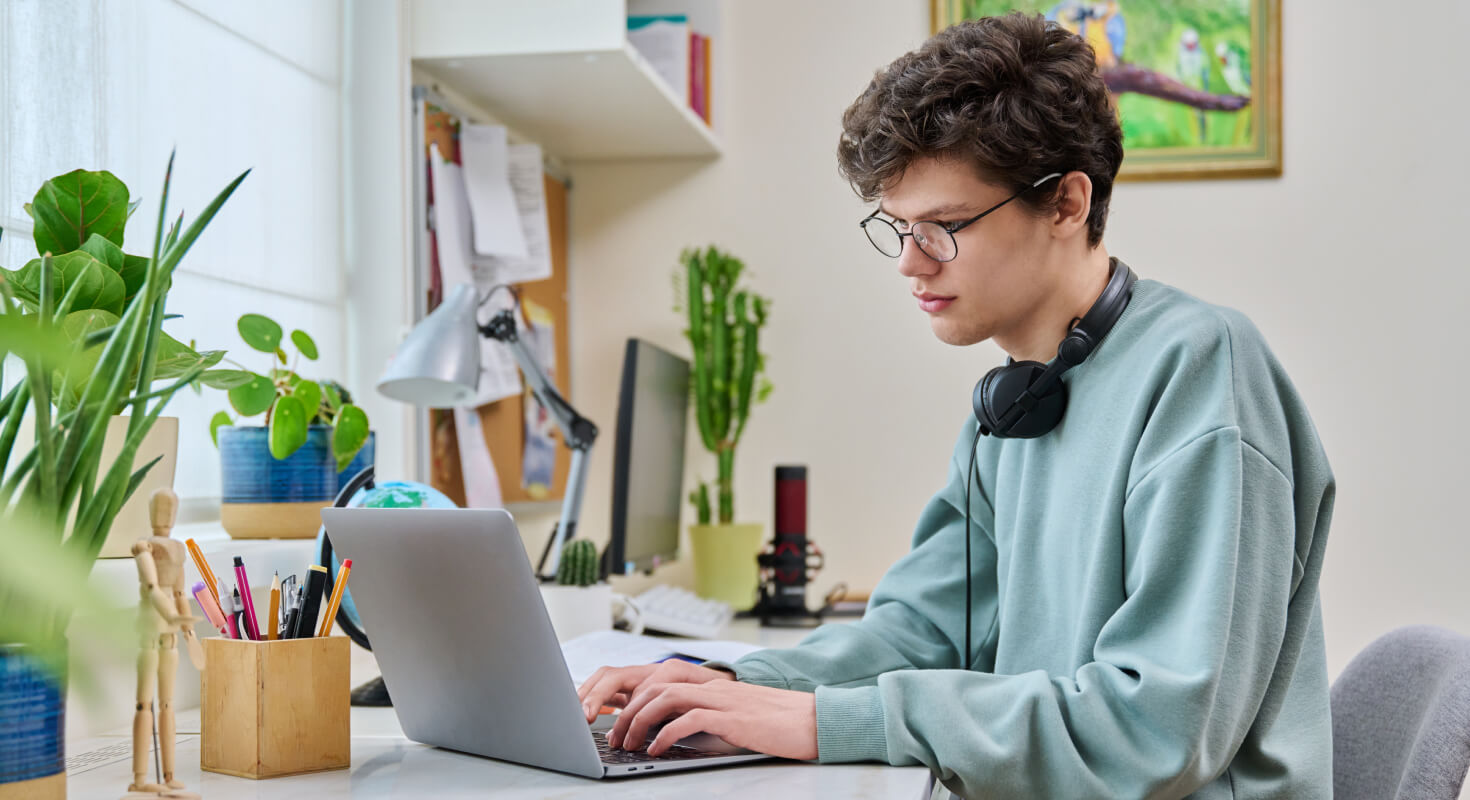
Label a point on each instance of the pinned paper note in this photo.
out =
(494, 212)
(481, 482)
(528, 185)
(499, 375)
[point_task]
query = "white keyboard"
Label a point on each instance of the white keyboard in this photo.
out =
(679, 611)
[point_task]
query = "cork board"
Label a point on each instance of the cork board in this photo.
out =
(503, 422)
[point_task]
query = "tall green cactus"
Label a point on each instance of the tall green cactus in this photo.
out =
(578, 565)
(724, 332)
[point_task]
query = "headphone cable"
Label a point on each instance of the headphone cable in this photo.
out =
(969, 475)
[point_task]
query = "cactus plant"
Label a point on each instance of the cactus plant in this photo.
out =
(724, 333)
(578, 564)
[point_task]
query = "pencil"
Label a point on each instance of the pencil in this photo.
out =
(275, 607)
(336, 600)
(204, 571)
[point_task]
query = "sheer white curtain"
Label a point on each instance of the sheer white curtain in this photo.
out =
(117, 84)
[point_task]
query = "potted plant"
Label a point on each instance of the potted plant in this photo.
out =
(278, 476)
(59, 499)
(724, 334)
(79, 218)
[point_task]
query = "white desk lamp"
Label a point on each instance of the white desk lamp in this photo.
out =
(438, 366)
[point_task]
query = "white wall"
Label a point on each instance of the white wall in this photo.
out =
(1350, 264)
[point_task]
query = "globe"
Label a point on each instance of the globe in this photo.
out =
(388, 494)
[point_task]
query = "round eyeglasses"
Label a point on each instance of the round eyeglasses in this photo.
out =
(936, 239)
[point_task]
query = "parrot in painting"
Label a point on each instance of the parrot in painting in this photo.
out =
(1099, 24)
(1193, 69)
(1234, 67)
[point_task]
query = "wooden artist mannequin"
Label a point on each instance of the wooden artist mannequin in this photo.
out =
(163, 612)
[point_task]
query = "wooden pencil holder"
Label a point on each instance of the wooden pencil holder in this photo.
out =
(275, 708)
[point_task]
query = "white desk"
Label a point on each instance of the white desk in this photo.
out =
(385, 764)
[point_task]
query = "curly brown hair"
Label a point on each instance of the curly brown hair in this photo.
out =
(1014, 96)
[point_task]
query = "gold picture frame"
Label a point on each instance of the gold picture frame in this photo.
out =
(1164, 105)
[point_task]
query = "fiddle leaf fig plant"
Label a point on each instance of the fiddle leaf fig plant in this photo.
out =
(291, 404)
(85, 320)
(79, 220)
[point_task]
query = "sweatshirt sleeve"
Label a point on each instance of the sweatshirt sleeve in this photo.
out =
(1178, 671)
(899, 630)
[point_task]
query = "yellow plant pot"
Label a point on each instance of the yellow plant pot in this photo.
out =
(724, 562)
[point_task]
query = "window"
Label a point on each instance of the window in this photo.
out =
(117, 85)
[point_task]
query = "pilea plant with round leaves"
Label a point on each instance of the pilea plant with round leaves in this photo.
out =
(290, 403)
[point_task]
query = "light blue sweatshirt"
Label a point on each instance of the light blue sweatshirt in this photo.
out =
(1145, 617)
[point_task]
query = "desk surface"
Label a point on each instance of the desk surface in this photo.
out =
(385, 764)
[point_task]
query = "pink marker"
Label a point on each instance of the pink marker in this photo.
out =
(243, 584)
(211, 609)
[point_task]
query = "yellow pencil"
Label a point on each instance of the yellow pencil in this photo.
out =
(272, 621)
(336, 598)
(204, 570)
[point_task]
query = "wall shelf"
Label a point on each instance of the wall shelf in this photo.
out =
(588, 105)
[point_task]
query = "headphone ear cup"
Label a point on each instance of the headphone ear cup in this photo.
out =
(998, 390)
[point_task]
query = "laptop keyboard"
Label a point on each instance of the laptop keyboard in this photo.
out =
(678, 752)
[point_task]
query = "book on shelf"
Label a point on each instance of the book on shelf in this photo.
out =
(678, 55)
(663, 39)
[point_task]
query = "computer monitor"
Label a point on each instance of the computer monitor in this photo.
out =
(648, 459)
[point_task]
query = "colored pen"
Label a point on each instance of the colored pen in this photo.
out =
(210, 608)
(271, 631)
(204, 571)
(336, 597)
(242, 585)
(232, 613)
(316, 578)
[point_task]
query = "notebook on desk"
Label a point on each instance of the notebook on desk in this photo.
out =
(466, 647)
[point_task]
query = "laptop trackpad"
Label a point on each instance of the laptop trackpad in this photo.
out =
(700, 741)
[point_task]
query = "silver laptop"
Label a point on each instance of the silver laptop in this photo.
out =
(467, 650)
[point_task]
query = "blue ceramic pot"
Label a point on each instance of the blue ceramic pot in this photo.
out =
(32, 718)
(266, 498)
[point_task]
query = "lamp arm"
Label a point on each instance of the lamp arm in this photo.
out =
(578, 433)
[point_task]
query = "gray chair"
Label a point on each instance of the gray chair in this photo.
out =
(1401, 717)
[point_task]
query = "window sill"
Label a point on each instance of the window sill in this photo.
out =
(118, 577)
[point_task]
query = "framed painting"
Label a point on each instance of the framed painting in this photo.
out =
(1197, 83)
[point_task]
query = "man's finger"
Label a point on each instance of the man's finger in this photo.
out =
(688, 724)
(611, 683)
(636, 702)
(677, 699)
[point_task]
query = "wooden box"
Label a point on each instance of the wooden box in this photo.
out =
(275, 708)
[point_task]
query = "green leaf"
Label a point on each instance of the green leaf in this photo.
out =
(334, 398)
(349, 436)
(260, 332)
(76, 326)
(70, 208)
(254, 397)
(225, 378)
(304, 344)
(281, 354)
(176, 358)
(219, 420)
(100, 287)
(310, 395)
(288, 427)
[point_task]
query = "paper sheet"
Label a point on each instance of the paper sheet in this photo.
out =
(493, 205)
(481, 483)
(527, 182)
(499, 375)
(589, 651)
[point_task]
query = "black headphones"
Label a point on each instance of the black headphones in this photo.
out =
(1024, 400)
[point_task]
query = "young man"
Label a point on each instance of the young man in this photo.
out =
(1143, 616)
